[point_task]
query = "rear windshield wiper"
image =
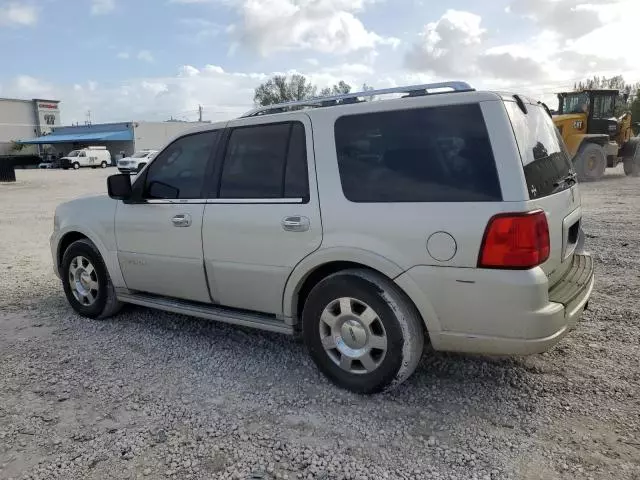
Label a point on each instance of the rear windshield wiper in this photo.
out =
(569, 180)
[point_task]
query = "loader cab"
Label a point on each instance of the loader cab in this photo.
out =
(598, 106)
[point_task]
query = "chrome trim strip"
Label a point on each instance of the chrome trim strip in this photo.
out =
(247, 201)
(254, 200)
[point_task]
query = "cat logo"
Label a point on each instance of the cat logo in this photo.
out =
(578, 124)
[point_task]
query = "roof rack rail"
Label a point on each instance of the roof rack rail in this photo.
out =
(412, 90)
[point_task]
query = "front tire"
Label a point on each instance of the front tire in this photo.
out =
(362, 332)
(591, 162)
(76, 165)
(86, 281)
(140, 167)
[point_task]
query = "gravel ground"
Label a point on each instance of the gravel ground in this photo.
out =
(157, 395)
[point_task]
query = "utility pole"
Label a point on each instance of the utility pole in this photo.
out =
(200, 113)
(88, 122)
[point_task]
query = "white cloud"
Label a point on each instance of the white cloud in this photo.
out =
(457, 46)
(145, 56)
(102, 7)
(569, 18)
(328, 26)
(197, 30)
(449, 46)
(223, 94)
(123, 55)
(15, 14)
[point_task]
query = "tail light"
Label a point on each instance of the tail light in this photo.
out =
(515, 241)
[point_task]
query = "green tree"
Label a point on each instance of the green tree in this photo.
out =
(17, 147)
(368, 88)
(635, 111)
(281, 88)
(341, 88)
(628, 91)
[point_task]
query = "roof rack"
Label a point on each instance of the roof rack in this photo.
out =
(412, 91)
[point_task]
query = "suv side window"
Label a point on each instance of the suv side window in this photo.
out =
(266, 161)
(178, 172)
(433, 154)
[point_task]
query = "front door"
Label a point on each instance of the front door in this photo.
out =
(263, 215)
(159, 235)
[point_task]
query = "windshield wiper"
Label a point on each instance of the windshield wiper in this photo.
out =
(569, 180)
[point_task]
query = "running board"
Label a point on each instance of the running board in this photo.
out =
(209, 312)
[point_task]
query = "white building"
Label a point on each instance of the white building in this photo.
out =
(23, 119)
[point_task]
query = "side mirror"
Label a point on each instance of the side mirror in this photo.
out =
(119, 186)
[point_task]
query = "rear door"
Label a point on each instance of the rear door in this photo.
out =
(550, 181)
(263, 215)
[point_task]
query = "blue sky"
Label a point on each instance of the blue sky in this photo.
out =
(148, 59)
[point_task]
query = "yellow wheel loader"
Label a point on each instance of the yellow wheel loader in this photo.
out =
(595, 138)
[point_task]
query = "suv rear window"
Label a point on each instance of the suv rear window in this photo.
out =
(544, 157)
(435, 154)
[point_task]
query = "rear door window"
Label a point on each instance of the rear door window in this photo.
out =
(545, 159)
(266, 161)
(434, 154)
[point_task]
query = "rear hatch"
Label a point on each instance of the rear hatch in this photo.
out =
(551, 182)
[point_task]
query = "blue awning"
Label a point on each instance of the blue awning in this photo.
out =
(121, 135)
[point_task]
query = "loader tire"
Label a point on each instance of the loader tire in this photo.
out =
(590, 163)
(632, 164)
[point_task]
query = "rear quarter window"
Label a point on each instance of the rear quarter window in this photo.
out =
(434, 154)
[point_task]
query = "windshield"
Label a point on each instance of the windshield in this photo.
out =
(544, 156)
(604, 106)
(74, 153)
(576, 103)
(140, 155)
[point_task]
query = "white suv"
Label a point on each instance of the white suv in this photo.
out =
(136, 162)
(364, 227)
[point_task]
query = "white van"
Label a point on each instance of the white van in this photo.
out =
(93, 157)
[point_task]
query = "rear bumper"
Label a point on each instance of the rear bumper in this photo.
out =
(498, 312)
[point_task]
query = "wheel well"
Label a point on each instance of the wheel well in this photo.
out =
(601, 141)
(317, 275)
(322, 272)
(65, 241)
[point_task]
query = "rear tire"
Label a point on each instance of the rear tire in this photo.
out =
(590, 163)
(362, 332)
(632, 164)
(86, 281)
(103, 165)
(140, 167)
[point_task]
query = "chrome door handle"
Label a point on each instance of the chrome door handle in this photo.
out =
(181, 220)
(296, 224)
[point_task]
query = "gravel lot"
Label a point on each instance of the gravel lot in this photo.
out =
(157, 395)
